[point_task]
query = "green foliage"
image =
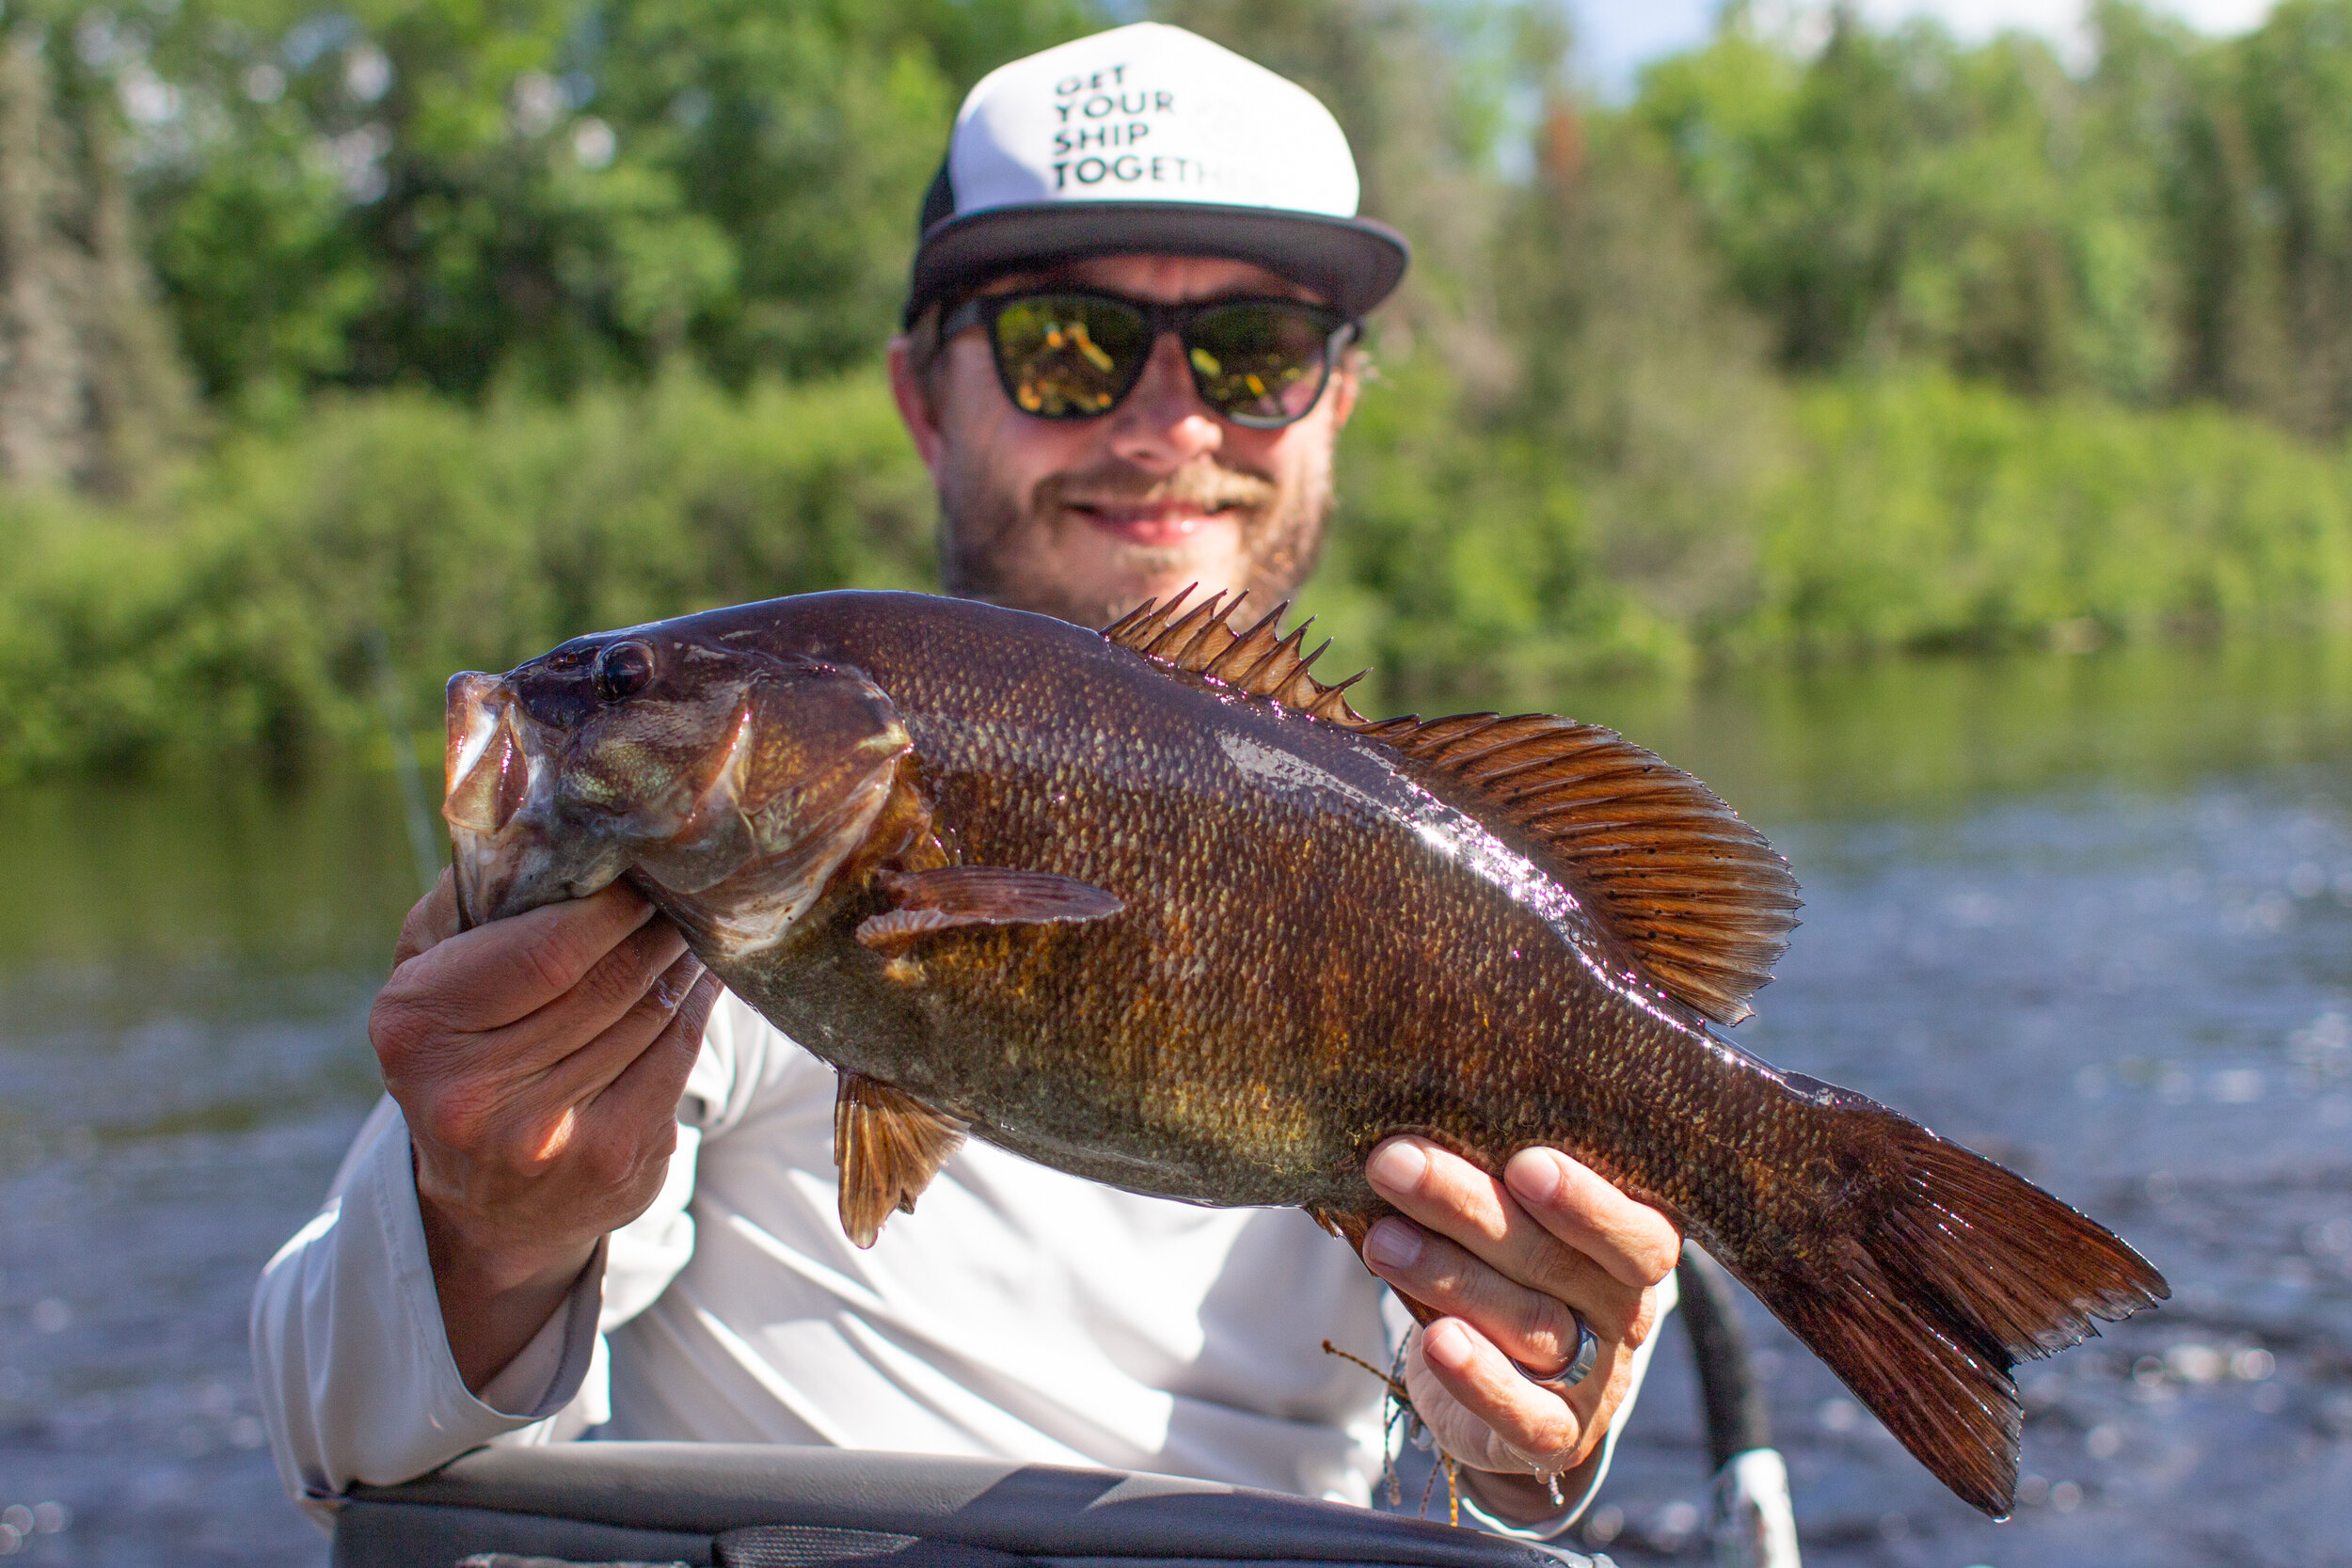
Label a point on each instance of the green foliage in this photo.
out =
(1928, 514)
(1917, 512)
(2264, 204)
(1909, 513)
(1466, 566)
(1898, 197)
(528, 319)
(544, 193)
(468, 539)
(547, 194)
(1632, 376)
(2167, 226)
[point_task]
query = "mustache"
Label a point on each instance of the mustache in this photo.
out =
(1203, 483)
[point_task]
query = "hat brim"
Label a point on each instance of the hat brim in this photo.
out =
(1355, 263)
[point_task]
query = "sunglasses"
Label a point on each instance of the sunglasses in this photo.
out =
(1068, 355)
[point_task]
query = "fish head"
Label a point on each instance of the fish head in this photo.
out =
(713, 773)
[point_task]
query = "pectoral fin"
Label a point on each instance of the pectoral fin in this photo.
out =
(955, 896)
(887, 1147)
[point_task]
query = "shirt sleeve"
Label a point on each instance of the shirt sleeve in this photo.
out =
(356, 1380)
(358, 1383)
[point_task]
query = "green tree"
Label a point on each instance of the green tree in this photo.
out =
(2277, 314)
(549, 192)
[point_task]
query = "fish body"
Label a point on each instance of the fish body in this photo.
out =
(1154, 907)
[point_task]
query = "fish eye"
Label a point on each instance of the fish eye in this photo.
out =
(623, 671)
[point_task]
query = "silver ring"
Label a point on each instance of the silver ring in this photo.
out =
(1580, 1366)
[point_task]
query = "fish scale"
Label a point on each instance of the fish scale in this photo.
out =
(1155, 906)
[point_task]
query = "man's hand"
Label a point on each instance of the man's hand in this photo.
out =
(1510, 1261)
(539, 1061)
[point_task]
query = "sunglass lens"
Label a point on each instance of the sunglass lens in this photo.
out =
(1259, 363)
(1069, 356)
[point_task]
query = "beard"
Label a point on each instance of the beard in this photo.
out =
(1005, 548)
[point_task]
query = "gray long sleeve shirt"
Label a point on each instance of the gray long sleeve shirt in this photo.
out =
(1019, 1313)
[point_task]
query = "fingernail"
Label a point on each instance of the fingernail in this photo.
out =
(1396, 1167)
(1394, 1242)
(1444, 1343)
(1532, 1176)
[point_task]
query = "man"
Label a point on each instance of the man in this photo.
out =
(600, 1194)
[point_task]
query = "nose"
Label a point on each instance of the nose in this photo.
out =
(1163, 423)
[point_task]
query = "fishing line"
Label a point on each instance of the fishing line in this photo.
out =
(1400, 1423)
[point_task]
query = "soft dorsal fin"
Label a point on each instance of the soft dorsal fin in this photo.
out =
(1706, 904)
(1257, 661)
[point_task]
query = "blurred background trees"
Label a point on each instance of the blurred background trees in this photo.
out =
(1830, 338)
(552, 193)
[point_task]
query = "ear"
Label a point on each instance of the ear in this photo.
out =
(1346, 383)
(916, 409)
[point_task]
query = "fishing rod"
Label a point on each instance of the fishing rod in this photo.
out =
(1753, 1523)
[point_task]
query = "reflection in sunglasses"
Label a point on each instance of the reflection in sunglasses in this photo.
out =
(1074, 336)
(1258, 362)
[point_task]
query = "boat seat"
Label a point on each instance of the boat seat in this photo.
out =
(763, 1506)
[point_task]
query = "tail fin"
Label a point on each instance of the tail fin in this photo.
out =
(1923, 1306)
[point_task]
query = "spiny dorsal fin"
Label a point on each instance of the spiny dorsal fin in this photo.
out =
(1704, 902)
(1258, 661)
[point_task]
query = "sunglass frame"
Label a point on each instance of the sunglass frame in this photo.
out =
(1160, 319)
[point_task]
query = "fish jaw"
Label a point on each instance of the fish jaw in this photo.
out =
(501, 808)
(729, 786)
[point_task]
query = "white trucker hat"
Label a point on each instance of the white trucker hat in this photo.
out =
(1150, 138)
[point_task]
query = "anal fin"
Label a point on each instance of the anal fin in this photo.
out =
(887, 1145)
(953, 895)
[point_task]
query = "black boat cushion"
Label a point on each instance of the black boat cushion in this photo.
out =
(819, 1547)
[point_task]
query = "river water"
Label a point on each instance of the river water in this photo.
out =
(2091, 915)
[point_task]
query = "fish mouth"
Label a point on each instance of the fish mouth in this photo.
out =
(730, 806)
(499, 806)
(501, 856)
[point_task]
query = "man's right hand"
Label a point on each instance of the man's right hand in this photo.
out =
(539, 1061)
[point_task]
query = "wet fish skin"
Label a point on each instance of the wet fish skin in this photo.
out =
(1313, 940)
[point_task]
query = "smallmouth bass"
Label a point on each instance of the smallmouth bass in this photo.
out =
(1155, 906)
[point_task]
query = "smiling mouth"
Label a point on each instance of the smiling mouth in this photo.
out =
(1154, 524)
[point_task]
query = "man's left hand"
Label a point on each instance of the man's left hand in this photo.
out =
(1514, 1263)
